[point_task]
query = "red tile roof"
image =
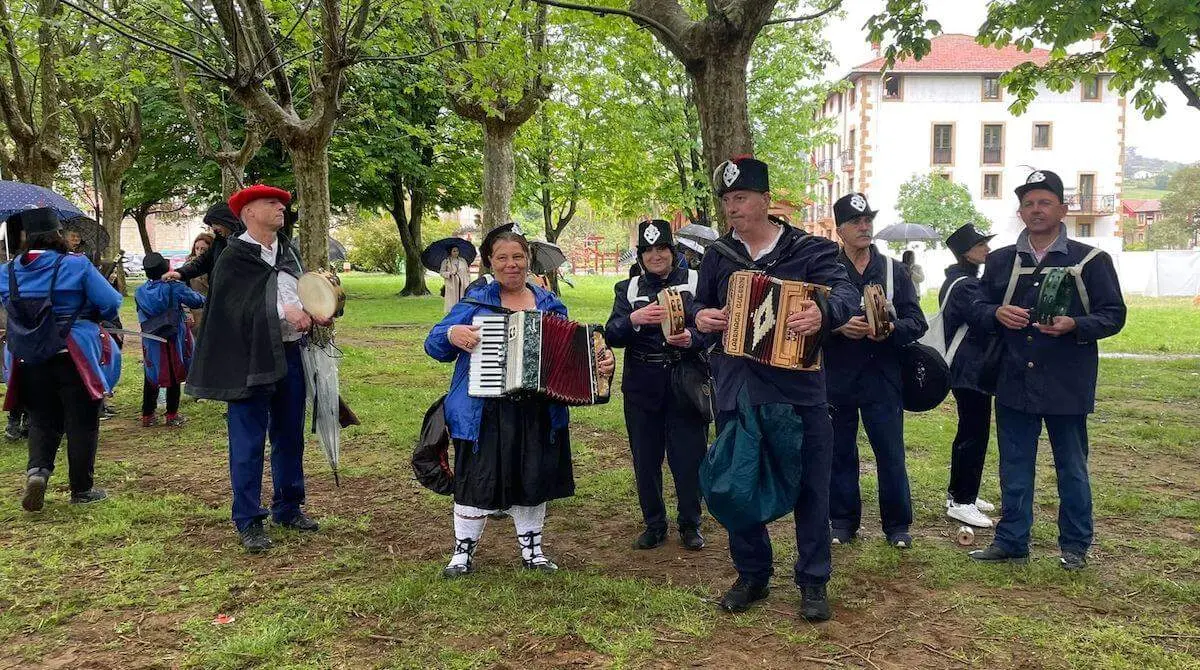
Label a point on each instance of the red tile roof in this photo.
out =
(961, 53)
(1137, 206)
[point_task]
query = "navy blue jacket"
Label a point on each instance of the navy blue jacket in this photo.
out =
(646, 382)
(964, 369)
(797, 256)
(848, 359)
(1041, 374)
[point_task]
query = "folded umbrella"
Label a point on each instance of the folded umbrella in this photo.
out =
(439, 251)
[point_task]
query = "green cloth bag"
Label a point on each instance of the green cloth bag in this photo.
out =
(751, 475)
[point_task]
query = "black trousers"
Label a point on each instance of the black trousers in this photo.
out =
(58, 404)
(150, 397)
(970, 444)
(679, 433)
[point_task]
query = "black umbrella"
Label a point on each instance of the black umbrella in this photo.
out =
(439, 251)
(94, 238)
(546, 257)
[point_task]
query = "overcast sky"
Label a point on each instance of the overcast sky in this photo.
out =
(1175, 136)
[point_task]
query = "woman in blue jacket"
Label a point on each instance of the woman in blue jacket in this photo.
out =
(510, 453)
(62, 393)
(958, 293)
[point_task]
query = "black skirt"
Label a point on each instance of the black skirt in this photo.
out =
(519, 459)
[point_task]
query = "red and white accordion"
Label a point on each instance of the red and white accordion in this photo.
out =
(538, 352)
(758, 311)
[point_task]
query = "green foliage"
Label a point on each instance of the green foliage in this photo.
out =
(1180, 225)
(939, 203)
(373, 245)
(1144, 43)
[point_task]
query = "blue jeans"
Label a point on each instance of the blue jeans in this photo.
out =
(1017, 433)
(277, 411)
(883, 418)
(751, 548)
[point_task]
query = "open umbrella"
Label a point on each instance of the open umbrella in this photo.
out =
(546, 257)
(439, 251)
(18, 196)
(337, 251)
(907, 232)
(702, 235)
(94, 238)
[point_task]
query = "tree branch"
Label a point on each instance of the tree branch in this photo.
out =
(129, 32)
(807, 17)
(599, 11)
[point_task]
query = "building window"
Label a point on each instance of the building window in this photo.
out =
(893, 87)
(852, 144)
(943, 144)
(993, 144)
(1041, 136)
(1083, 230)
(1091, 88)
(853, 95)
(991, 87)
(991, 185)
(945, 175)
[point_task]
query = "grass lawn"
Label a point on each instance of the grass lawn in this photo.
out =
(137, 582)
(1143, 193)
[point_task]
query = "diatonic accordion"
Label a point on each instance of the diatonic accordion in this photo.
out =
(759, 306)
(540, 353)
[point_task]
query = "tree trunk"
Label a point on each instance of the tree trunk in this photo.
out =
(724, 112)
(310, 167)
(233, 176)
(112, 211)
(140, 215)
(42, 171)
(498, 172)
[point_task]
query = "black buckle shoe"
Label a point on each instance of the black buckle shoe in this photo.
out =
(88, 497)
(742, 595)
(255, 539)
(34, 497)
(651, 538)
(301, 522)
(691, 539)
(464, 546)
(814, 605)
(994, 554)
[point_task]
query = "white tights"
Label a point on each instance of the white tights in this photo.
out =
(469, 523)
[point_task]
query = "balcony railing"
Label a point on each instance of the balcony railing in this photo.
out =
(847, 159)
(943, 156)
(825, 165)
(818, 211)
(1090, 203)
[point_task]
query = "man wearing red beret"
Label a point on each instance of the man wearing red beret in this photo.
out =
(249, 356)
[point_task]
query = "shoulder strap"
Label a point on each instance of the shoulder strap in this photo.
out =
(723, 248)
(889, 278)
(13, 293)
(1077, 272)
(631, 291)
(693, 279)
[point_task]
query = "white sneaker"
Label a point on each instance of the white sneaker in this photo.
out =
(970, 515)
(984, 506)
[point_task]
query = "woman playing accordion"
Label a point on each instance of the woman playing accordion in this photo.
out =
(511, 452)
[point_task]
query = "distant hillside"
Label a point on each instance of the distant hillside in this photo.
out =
(1135, 162)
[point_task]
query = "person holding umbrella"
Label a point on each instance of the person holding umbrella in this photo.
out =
(457, 274)
(248, 355)
(61, 363)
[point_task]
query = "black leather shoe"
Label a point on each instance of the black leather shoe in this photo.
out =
(650, 539)
(300, 522)
(994, 554)
(34, 497)
(814, 606)
(88, 497)
(255, 539)
(691, 539)
(742, 595)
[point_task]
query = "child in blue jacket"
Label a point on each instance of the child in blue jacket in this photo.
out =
(160, 312)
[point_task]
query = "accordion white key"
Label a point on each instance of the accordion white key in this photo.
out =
(540, 353)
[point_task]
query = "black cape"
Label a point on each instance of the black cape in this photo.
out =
(240, 345)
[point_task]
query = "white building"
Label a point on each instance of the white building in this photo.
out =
(948, 114)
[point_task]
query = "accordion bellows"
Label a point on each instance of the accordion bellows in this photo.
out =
(758, 310)
(540, 353)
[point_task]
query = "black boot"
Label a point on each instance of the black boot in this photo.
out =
(742, 595)
(255, 539)
(994, 554)
(814, 606)
(650, 538)
(691, 539)
(34, 497)
(302, 523)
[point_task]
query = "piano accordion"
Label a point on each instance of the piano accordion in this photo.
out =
(538, 353)
(758, 310)
(672, 301)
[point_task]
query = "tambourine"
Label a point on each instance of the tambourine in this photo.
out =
(875, 304)
(321, 294)
(672, 301)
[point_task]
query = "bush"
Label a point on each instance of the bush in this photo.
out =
(373, 245)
